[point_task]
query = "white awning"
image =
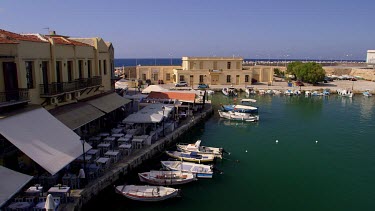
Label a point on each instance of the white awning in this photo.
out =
(11, 182)
(152, 113)
(153, 88)
(109, 102)
(43, 138)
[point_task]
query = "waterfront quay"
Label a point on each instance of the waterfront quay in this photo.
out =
(129, 163)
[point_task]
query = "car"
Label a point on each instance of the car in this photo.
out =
(299, 83)
(181, 83)
(203, 86)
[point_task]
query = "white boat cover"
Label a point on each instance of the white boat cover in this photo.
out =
(122, 84)
(109, 102)
(152, 113)
(43, 138)
(154, 88)
(11, 182)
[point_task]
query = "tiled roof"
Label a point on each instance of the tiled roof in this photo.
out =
(74, 42)
(7, 41)
(19, 37)
(67, 41)
(88, 41)
(181, 96)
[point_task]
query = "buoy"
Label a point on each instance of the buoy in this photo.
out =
(245, 150)
(277, 141)
(316, 142)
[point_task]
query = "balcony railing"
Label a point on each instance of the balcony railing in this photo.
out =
(71, 86)
(18, 95)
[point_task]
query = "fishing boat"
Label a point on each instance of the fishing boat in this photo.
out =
(229, 91)
(288, 92)
(191, 156)
(201, 170)
(239, 116)
(326, 92)
(250, 90)
(248, 102)
(367, 93)
(166, 177)
(147, 193)
(345, 92)
(240, 108)
(196, 147)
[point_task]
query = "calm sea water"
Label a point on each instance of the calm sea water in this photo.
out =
(337, 173)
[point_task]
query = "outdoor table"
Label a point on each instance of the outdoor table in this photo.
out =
(34, 190)
(95, 140)
(118, 135)
(116, 130)
(111, 140)
(125, 148)
(137, 143)
(132, 131)
(123, 140)
(93, 152)
(20, 205)
(62, 192)
(113, 154)
(104, 134)
(102, 161)
(104, 147)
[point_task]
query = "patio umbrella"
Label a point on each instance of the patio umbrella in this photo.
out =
(50, 204)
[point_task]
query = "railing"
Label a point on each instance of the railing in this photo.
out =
(78, 84)
(21, 94)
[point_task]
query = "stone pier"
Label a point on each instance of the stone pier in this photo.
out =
(128, 163)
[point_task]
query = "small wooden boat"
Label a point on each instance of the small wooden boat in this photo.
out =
(201, 170)
(167, 177)
(239, 116)
(240, 108)
(191, 156)
(196, 147)
(147, 193)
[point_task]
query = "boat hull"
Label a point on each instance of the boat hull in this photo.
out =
(167, 177)
(238, 116)
(180, 156)
(147, 193)
(201, 171)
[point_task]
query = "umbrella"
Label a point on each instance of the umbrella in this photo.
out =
(50, 203)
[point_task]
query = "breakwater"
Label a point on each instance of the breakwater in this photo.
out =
(129, 163)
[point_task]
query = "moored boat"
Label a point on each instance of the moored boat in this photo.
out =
(229, 91)
(240, 108)
(191, 156)
(239, 116)
(250, 90)
(196, 147)
(147, 193)
(367, 93)
(166, 177)
(201, 170)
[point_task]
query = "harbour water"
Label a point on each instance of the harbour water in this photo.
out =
(297, 173)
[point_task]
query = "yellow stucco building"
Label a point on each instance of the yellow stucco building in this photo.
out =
(52, 70)
(208, 70)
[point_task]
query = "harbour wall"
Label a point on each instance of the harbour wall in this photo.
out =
(132, 161)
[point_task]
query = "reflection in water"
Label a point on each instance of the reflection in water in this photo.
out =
(367, 107)
(239, 124)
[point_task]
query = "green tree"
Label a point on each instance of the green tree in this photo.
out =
(310, 72)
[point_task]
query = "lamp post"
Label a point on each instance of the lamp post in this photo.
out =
(163, 119)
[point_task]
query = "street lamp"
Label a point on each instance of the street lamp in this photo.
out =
(163, 119)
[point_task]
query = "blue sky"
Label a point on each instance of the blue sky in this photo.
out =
(330, 29)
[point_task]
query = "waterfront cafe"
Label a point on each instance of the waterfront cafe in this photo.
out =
(36, 143)
(153, 119)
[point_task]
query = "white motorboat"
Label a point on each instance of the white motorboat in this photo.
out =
(229, 91)
(239, 116)
(191, 156)
(250, 90)
(201, 170)
(288, 92)
(240, 108)
(345, 92)
(166, 177)
(196, 147)
(248, 102)
(147, 193)
(367, 93)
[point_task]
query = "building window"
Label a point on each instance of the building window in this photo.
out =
(228, 65)
(100, 67)
(29, 74)
(237, 65)
(144, 77)
(191, 65)
(88, 68)
(201, 65)
(70, 70)
(182, 78)
(58, 71)
(105, 67)
(168, 77)
(246, 78)
(228, 78)
(215, 65)
(201, 78)
(156, 77)
(80, 69)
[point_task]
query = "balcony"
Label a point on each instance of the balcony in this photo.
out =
(13, 97)
(53, 89)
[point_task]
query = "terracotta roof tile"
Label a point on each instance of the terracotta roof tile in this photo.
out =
(19, 37)
(67, 41)
(189, 97)
(74, 42)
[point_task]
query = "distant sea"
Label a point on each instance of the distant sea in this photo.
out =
(178, 61)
